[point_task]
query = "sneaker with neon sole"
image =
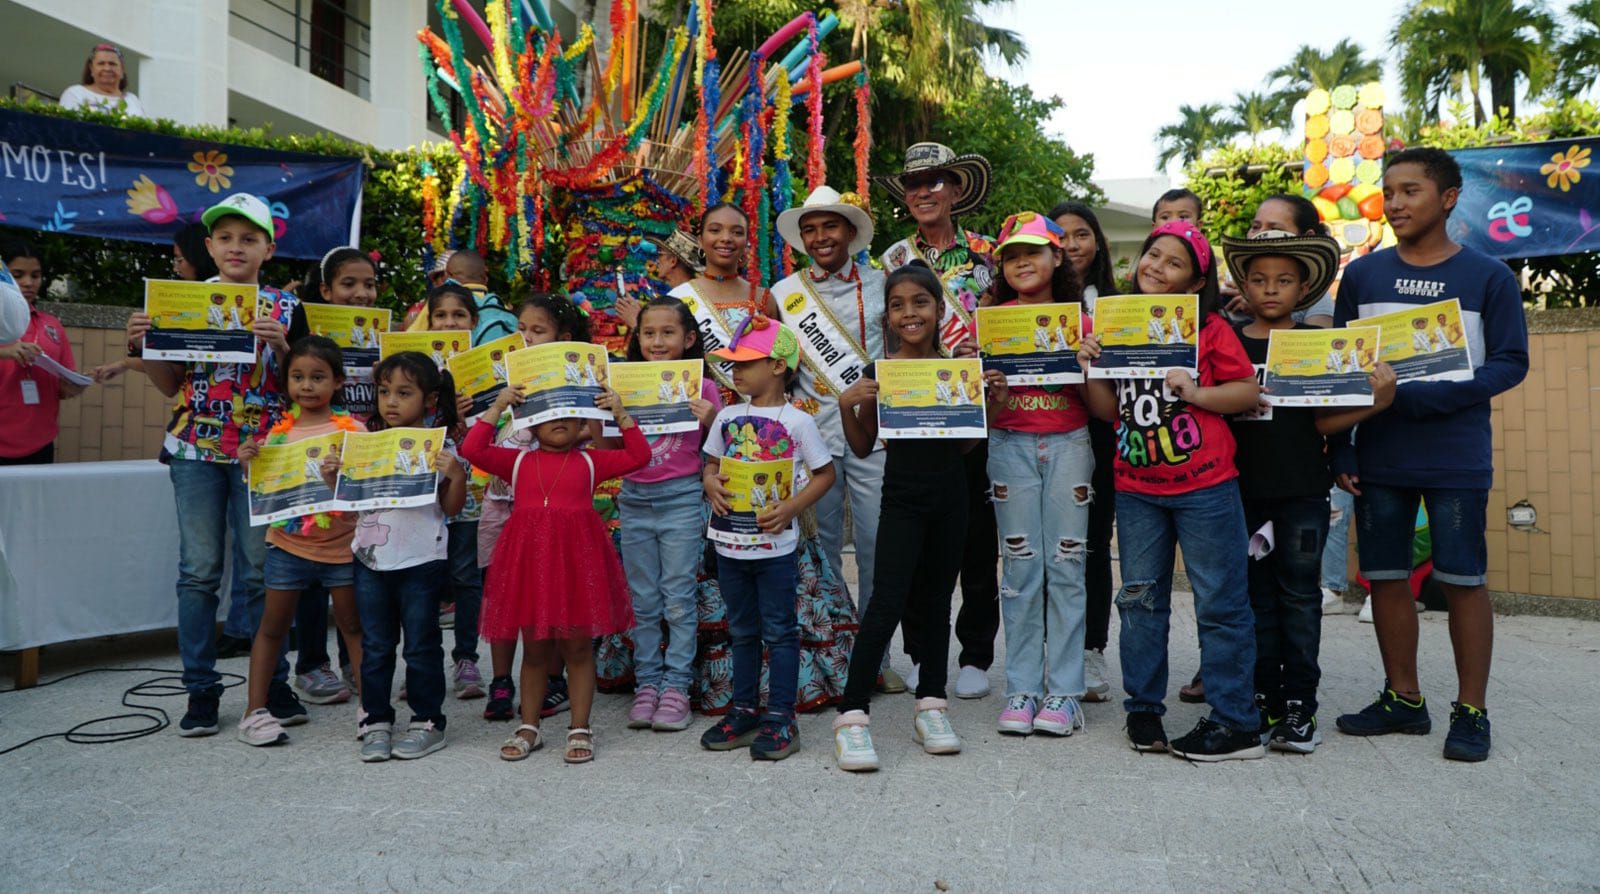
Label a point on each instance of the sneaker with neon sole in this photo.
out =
(1389, 714)
(1468, 739)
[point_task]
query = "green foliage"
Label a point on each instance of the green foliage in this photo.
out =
(1242, 178)
(1445, 45)
(1344, 63)
(1198, 130)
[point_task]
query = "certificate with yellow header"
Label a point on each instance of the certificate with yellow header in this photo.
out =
(1033, 344)
(931, 398)
(560, 380)
(439, 346)
(752, 487)
(1321, 367)
(356, 330)
(481, 372)
(389, 469)
(657, 394)
(1145, 336)
(1425, 343)
(286, 479)
(200, 321)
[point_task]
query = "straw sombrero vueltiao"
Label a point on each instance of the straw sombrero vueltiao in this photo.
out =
(683, 245)
(1319, 254)
(971, 173)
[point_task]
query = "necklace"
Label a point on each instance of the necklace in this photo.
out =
(720, 277)
(539, 472)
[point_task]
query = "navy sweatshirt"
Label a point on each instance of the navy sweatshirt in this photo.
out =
(1436, 434)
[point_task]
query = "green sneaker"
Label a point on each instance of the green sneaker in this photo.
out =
(1389, 714)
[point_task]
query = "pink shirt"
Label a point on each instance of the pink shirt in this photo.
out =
(30, 398)
(677, 455)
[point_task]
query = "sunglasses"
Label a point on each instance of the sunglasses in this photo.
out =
(924, 181)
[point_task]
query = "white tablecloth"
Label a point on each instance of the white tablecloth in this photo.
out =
(89, 549)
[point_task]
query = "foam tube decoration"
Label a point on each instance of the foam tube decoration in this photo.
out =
(836, 73)
(782, 35)
(540, 15)
(795, 61)
(470, 15)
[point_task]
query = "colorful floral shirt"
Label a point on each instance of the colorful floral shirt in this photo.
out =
(966, 267)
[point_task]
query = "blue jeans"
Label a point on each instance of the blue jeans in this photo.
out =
(390, 602)
(1456, 522)
(1336, 554)
(759, 594)
(663, 534)
(212, 500)
(1209, 524)
(244, 613)
(1042, 491)
(466, 588)
(1286, 601)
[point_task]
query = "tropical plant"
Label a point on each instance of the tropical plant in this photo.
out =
(1578, 59)
(1198, 129)
(1343, 63)
(1446, 46)
(1253, 114)
(1232, 181)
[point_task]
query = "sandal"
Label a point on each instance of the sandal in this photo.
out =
(1194, 693)
(519, 746)
(580, 746)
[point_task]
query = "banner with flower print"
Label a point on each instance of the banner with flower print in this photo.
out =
(59, 175)
(1529, 200)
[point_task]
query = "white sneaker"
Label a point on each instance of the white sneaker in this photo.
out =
(852, 743)
(260, 728)
(1096, 681)
(932, 729)
(972, 682)
(912, 678)
(1365, 615)
(1332, 601)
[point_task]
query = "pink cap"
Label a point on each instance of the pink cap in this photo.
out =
(1029, 228)
(1188, 232)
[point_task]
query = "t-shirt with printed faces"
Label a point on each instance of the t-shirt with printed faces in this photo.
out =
(760, 434)
(677, 454)
(1167, 446)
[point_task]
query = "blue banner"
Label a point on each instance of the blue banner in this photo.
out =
(64, 176)
(1529, 200)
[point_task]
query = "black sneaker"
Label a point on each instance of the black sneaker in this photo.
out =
(201, 718)
(232, 647)
(1145, 731)
(1267, 720)
(502, 692)
(1297, 731)
(1468, 739)
(1389, 714)
(284, 705)
(555, 698)
(1211, 741)
(775, 740)
(736, 729)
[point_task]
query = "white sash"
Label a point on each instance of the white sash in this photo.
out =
(956, 325)
(715, 334)
(826, 346)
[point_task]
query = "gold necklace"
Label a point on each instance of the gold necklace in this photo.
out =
(539, 473)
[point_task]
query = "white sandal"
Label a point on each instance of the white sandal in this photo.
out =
(579, 745)
(520, 744)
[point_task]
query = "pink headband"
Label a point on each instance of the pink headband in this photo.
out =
(1188, 232)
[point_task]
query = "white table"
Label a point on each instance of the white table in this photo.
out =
(86, 550)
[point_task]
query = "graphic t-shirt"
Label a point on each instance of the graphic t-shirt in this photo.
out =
(759, 434)
(393, 539)
(1167, 447)
(677, 454)
(1283, 456)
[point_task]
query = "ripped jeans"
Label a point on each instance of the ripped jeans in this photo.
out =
(663, 534)
(1042, 491)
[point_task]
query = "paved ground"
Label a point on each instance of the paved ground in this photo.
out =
(655, 812)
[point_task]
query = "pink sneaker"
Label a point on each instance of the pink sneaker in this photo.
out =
(1017, 718)
(1058, 716)
(672, 713)
(644, 707)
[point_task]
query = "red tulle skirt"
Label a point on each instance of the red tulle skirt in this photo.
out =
(555, 575)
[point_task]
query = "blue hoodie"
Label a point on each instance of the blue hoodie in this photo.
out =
(1436, 434)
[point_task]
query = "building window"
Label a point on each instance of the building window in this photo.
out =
(328, 38)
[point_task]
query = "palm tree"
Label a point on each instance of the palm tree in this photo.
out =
(1444, 44)
(1253, 113)
(1344, 63)
(1579, 54)
(1198, 129)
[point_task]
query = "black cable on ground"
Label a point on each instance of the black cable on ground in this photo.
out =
(155, 718)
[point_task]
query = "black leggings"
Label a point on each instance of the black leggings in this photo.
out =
(1102, 513)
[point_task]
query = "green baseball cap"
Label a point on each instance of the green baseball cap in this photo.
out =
(241, 204)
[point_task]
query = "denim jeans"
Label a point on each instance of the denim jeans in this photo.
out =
(1387, 517)
(392, 602)
(244, 613)
(1209, 525)
(759, 594)
(663, 534)
(212, 500)
(1336, 554)
(466, 588)
(1042, 492)
(860, 483)
(1286, 599)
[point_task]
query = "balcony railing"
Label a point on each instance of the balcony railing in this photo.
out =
(319, 36)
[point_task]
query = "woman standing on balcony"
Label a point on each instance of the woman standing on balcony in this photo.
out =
(104, 85)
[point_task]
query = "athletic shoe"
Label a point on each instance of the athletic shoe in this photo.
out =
(1145, 732)
(775, 740)
(1332, 601)
(890, 682)
(1389, 714)
(1058, 715)
(972, 682)
(1210, 741)
(232, 647)
(932, 730)
(672, 712)
(1096, 680)
(913, 678)
(201, 717)
(555, 698)
(502, 691)
(259, 728)
(285, 705)
(852, 743)
(1268, 722)
(736, 729)
(376, 744)
(447, 616)
(419, 740)
(1017, 716)
(465, 679)
(1469, 734)
(1297, 731)
(644, 707)
(1365, 615)
(319, 686)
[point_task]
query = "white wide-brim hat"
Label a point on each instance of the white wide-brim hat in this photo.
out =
(826, 198)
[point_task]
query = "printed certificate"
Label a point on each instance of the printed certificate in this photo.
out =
(560, 379)
(389, 469)
(481, 371)
(1145, 336)
(752, 487)
(1033, 344)
(1321, 367)
(1425, 343)
(200, 321)
(440, 346)
(286, 479)
(931, 398)
(356, 330)
(657, 394)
